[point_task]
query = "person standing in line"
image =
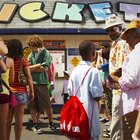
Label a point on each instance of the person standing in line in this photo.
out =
(65, 86)
(7, 74)
(15, 51)
(51, 82)
(130, 83)
(118, 53)
(91, 90)
(3, 48)
(39, 60)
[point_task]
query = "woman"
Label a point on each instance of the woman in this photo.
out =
(3, 48)
(15, 51)
(7, 74)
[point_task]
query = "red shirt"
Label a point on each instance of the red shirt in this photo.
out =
(15, 86)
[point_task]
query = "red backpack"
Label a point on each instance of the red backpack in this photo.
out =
(73, 118)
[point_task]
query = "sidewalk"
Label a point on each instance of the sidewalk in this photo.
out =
(48, 134)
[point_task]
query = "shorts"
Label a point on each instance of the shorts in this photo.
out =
(41, 98)
(4, 99)
(22, 98)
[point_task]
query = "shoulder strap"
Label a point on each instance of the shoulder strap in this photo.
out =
(21, 63)
(3, 83)
(80, 84)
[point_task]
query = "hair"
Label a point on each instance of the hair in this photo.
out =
(35, 41)
(15, 49)
(135, 32)
(106, 54)
(106, 45)
(86, 48)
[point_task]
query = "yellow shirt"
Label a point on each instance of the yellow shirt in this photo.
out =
(118, 53)
(5, 77)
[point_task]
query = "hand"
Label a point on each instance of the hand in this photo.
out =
(100, 52)
(31, 96)
(115, 86)
(52, 86)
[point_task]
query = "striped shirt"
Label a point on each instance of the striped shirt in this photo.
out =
(15, 86)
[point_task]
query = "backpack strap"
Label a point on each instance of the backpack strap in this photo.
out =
(3, 83)
(80, 84)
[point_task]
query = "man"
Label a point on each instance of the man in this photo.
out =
(130, 83)
(39, 60)
(91, 90)
(119, 51)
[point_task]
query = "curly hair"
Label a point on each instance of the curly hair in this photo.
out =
(15, 49)
(35, 41)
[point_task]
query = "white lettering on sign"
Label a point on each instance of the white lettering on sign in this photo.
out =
(130, 11)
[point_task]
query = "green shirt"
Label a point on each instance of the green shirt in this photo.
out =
(45, 59)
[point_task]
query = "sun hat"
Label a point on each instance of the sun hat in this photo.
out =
(112, 21)
(132, 25)
(67, 73)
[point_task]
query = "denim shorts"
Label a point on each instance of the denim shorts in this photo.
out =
(22, 98)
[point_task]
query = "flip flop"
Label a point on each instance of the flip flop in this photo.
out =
(106, 135)
(106, 130)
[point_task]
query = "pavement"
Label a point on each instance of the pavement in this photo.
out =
(28, 134)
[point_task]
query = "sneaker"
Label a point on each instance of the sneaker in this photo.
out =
(36, 128)
(52, 126)
(106, 135)
(103, 120)
(108, 123)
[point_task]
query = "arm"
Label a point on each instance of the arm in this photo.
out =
(131, 73)
(3, 48)
(3, 66)
(30, 82)
(95, 86)
(99, 59)
(114, 76)
(11, 72)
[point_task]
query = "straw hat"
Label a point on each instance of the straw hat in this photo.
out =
(112, 21)
(132, 25)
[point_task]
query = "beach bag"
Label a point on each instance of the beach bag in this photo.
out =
(12, 99)
(73, 117)
(21, 76)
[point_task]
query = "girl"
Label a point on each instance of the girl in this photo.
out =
(15, 51)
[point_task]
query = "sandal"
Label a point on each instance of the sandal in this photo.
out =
(106, 135)
(107, 130)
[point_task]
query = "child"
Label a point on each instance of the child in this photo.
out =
(91, 90)
(65, 86)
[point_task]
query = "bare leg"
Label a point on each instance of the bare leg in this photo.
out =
(137, 126)
(49, 114)
(34, 115)
(10, 118)
(3, 121)
(19, 112)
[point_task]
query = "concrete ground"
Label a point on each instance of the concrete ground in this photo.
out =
(48, 134)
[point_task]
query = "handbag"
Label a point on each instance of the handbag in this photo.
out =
(12, 99)
(21, 76)
(73, 117)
